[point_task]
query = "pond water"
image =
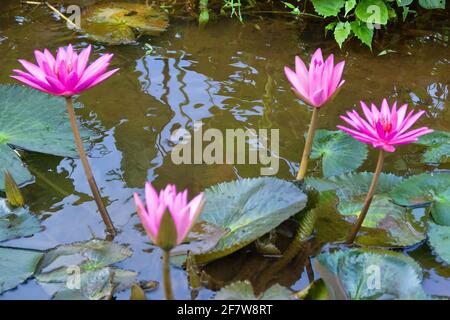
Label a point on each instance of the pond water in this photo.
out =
(229, 75)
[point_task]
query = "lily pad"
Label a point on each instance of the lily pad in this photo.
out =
(243, 290)
(340, 153)
(439, 239)
(16, 266)
(17, 222)
(438, 147)
(248, 209)
(362, 274)
(84, 271)
(33, 121)
(426, 189)
(386, 223)
(121, 23)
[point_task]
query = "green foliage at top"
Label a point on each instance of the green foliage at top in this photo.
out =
(360, 18)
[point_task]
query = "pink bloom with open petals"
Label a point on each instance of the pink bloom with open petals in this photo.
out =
(184, 214)
(66, 74)
(384, 128)
(319, 83)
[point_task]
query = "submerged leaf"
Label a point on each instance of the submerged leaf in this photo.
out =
(12, 191)
(371, 274)
(17, 223)
(16, 266)
(248, 209)
(386, 223)
(316, 290)
(243, 290)
(33, 121)
(424, 190)
(121, 22)
(340, 153)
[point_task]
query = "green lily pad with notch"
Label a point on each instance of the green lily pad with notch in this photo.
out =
(120, 22)
(33, 121)
(439, 239)
(386, 223)
(17, 222)
(16, 266)
(358, 274)
(248, 209)
(243, 290)
(438, 147)
(340, 153)
(426, 189)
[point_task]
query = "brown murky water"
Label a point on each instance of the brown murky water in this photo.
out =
(229, 75)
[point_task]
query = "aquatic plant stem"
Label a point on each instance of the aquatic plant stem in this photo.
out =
(308, 145)
(368, 199)
(87, 169)
(166, 275)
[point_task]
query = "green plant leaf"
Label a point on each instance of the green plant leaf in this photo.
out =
(426, 189)
(404, 3)
(342, 32)
(362, 32)
(243, 290)
(16, 266)
(248, 209)
(438, 147)
(372, 11)
(432, 4)
(327, 8)
(33, 121)
(362, 274)
(349, 5)
(316, 290)
(439, 239)
(17, 223)
(340, 153)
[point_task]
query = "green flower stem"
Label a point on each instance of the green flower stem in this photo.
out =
(368, 199)
(166, 275)
(308, 145)
(88, 171)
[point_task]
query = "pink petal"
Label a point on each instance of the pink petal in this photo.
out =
(83, 59)
(295, 82)
(336, 77)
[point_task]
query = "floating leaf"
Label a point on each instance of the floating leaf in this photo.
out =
(17, 223)
(327, 8)
(33, 121)
(439, 238)
(137, 293)
(121, 23)
(248, 209)
(362, 274)
(438, 144)
(426, 189)
(16, 266)
(243, 290)
(372, 11)
(340, 153)
(386, 223)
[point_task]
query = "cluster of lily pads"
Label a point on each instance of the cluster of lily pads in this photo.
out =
(400, 211)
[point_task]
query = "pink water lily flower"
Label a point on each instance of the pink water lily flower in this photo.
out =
(67, 74)
(319, 83)
(384, 128)
(184, 214)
